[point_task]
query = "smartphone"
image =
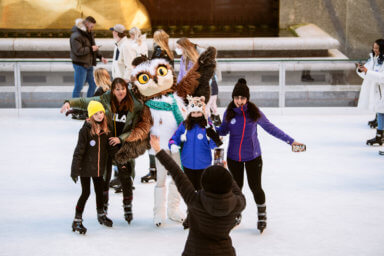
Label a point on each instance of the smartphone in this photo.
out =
(218, 156)
(299, 148)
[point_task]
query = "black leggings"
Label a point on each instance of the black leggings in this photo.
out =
(194, 176)
(86, 191)
(253, 168)
(125, 173)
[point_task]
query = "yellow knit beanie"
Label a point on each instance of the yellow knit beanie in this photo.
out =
(94, 107)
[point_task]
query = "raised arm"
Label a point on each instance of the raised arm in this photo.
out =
(183, 184)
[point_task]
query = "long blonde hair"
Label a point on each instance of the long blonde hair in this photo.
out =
(190, 51)
(102, 79)
(137, 36)
(161, 39)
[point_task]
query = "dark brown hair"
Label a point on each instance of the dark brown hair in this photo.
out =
(127, 103)
(252, 109)
(189, 122)
(90, 19)
(121, 35)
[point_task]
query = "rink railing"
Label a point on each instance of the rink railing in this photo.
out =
(282, 66)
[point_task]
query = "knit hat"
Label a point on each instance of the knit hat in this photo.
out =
(196, 104)
(241, 89)
(94, 107)
(216, 179)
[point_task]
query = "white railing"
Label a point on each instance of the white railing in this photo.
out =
(282, 66)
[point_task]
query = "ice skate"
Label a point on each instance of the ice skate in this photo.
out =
(103, 219)
(77, 225)
(128, 215)
(262, 217)
(373, 124)
(151, 175)
(378, 140)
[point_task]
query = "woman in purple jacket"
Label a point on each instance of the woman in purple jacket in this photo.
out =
(240, 120)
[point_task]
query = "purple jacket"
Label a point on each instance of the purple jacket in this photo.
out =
(243, 142)
(183, 71)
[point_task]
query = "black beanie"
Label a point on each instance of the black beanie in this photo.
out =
(216, 179)
(241, 89)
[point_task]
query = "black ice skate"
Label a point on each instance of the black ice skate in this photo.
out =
(103, 219)
(378, 140)
(77, 225)
(151, 175)
(373, 123)
(262, 217)
(238, 220)
(127, 204)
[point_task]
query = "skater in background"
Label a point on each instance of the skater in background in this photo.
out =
(102, 80)
(211, 108)
(240, 121)
(371, 90)
(212, 209)
(161, 48)
(197, 138)
(139, 42)
(89, 161)
(123, 112)
(189, 54)
(123, 53)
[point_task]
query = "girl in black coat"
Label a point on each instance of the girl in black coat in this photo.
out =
(212, 211)
(89, 161)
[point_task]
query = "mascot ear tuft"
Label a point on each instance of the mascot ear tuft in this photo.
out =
(140, 59)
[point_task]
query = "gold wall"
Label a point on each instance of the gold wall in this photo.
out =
(61, 14)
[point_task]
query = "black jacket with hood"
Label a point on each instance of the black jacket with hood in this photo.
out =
(91, 153)
(81, 42)
(211, 216)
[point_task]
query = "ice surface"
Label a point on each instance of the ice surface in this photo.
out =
(326, 201)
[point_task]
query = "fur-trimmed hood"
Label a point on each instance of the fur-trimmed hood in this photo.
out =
(79, 24)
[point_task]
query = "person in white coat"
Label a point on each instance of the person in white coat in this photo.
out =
(123, 53)
(139, 41)
(372, 89)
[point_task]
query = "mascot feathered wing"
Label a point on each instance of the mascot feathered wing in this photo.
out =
(154, 82)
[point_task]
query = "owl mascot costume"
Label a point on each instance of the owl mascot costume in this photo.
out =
(154, 82)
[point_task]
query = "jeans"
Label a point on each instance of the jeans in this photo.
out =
(83, 74)
(380, 121)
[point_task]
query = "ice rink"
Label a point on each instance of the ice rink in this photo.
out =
(326, 201)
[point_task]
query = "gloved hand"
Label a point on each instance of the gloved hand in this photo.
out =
(211, 133)
(74, 178)
(174, 148)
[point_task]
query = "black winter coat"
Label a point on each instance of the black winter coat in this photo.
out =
(211, 216)
(81, 48)
(91, 153)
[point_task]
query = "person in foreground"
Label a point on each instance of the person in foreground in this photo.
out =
(212, 210)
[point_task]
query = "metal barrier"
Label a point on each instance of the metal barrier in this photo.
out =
(228, 66)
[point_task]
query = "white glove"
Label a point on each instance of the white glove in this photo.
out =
(174, 148)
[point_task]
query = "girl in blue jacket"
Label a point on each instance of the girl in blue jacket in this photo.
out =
(240, 120)
(193, 136)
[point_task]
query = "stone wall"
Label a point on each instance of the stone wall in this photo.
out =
(355, 23)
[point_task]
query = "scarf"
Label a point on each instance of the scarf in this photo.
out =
(160, 105)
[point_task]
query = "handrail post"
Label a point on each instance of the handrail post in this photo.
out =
(281, 85)
(17, 76)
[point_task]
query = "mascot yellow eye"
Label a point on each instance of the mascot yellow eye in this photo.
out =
(143, 78)
(162, 71)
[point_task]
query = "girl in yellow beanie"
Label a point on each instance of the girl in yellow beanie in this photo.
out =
(89, 161)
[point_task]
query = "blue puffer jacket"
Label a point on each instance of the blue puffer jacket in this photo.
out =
(196, 152)
(243, 142)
